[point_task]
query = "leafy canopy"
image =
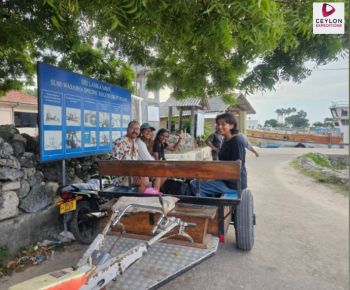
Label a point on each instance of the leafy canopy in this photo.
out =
(272, 123)
(198, 48)
(298, 120)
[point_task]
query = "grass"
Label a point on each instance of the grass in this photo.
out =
(319, 176)
(323, 161)
(4, 256)
(339, 164)
(319, 159)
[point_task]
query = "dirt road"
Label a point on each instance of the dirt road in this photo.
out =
(301, 237)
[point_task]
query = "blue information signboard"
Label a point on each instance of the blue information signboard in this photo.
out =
(79, 116)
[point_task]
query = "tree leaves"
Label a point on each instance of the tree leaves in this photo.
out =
(199, 48)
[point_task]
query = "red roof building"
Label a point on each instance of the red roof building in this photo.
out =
(18, 97)
(20, 109)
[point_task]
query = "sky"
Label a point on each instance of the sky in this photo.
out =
(326, 84)
(314, 95)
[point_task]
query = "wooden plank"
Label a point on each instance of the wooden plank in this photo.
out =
(184, 169)
(140, 223)
(213, 225)
(195, 210)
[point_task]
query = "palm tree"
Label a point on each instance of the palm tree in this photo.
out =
(283, 113)
(279, 113)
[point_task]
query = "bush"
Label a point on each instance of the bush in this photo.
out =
(319, 159)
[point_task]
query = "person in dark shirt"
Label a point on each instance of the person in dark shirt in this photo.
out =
(233, 148)
(214, 141)
(160, 143)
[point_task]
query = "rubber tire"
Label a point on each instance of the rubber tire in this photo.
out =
(244, 222)
(84, 231)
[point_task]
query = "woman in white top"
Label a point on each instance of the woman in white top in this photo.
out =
(145, 141)
(145, 144)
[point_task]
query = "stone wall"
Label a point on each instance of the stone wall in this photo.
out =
(28, 186)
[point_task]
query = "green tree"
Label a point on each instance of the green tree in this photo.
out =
(317, 124)
(328, 122)
(198, 48)
(298, 120)
(279, 113)
(55, 33)
(273, 123)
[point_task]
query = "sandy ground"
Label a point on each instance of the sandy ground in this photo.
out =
(301, 236)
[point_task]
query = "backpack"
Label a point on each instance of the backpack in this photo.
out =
(176, 187)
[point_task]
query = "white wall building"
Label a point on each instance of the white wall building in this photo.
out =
(20, 109)
(340, 114)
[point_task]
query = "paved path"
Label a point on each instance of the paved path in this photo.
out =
(301, 237)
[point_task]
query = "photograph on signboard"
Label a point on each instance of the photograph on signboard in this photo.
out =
(125, 121)
(116, 121)
(90, 118)
(104, 138)
(52, 115)
(52, 140)
(104, 119)
(73, 139)
(89, 139)
(116, 135)
(73, 117)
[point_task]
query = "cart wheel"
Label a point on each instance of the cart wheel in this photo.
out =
(244, 222)
(83, 226)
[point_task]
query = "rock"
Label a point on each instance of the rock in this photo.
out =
(19, 147)
(7, 132)
(19, 138)
(27, 160)
(32, 144)
(36, 178)
(52, 172)
(24, 189)
(51, 187)
(12, 185)
(28, 172)
(11, 162)
(76, 179)
(8, 204)
(7, 173)
(6, 150)
(37, 199)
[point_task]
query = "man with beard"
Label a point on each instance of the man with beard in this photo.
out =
(126, 149)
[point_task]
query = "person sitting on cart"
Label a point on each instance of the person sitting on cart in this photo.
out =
(161, 143)
(126, 148)
(145, 145)
(232, 149)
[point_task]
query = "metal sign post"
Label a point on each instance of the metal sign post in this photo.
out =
(65, 226)
(63, 172)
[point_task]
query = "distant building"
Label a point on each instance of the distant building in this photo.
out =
(210, 108)
(20, 109)
(252, 124)
(340, 114)
(145, 104)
